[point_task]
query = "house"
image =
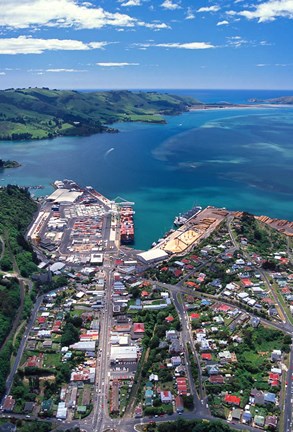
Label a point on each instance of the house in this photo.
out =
(61, 411)
(148, 401)
(255, 321)
(138, 328)
(213, 370)
(46, 405)
(138, 412)
(7, 427)
(149, 385)
(28, 407)
(246, 417)
(148, 393)
(276, 356)
(8, 404)
(176, 361)
(206, 356)
(175, 347)
(216, 379)
(180, 370)
(259, 420)
(114, 400)
(236, 414)
(166, 396)
(269, 398)
(153, 377)
(179, 404)
(271, 422)
(257, 397)
(171, 334)
(81, 409)
(181, 385)
(232, 400)
(273, 377)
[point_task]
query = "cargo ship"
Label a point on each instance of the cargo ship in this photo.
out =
(126, 225)
(182, 218)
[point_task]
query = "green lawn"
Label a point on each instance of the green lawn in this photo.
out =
(51, 360)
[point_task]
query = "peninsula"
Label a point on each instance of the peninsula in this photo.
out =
(37, 113)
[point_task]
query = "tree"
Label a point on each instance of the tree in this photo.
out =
(70, 335)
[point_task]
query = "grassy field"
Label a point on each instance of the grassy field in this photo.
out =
(38, 113)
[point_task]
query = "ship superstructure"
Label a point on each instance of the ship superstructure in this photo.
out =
(182, 218)
(126, 225)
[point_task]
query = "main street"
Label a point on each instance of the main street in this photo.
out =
(100, 417)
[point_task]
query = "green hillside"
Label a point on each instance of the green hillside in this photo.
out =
(37, 113)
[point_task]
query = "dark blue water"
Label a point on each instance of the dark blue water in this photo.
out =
(239, 159)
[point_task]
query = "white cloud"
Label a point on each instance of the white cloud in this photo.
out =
(2, 73)
(214, 8)
(131, 3)
(66, 70)
(29, 45)
(221, 23)
(276, 64)
(113, 64)
(269, 11)
(62, 13)
(238, 41)
(168, 4)
(178, 45)
(189, 14)
(156, 26)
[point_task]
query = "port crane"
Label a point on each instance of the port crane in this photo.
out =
(122, 202)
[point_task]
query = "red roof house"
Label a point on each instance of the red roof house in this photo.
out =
(138, 328)
(206, 356)
(233, 400)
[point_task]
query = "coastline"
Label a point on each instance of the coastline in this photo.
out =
(221, 107)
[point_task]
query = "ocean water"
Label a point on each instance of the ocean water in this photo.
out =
(234, 158)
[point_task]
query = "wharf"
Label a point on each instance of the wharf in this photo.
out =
(193, 231)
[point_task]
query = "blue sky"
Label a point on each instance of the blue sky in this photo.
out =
(146, 44)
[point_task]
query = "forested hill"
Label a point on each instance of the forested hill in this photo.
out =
(37, 113)
(16, 255)
(16, 212)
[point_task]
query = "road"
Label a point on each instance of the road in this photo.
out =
(289, 395)
(186, 335)
(21, 348)
(103, 361)
(2, 248)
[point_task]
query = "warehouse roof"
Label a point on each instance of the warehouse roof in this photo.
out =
(153, 255)
(64, 195)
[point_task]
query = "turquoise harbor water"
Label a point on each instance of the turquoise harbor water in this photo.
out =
(234, 158)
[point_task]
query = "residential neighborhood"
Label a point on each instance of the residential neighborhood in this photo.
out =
(118, 335)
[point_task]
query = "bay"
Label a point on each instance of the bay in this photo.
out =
(235, 158)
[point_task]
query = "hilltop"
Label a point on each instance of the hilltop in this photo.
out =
(37, 113)
(282, 100)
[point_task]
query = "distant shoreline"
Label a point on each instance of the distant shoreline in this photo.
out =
(219, 107)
